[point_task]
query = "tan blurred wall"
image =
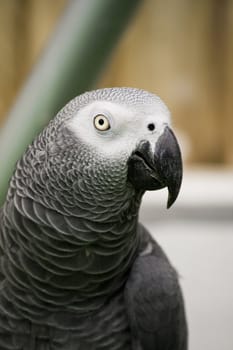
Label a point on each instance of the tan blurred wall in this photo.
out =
(180, 49)
(25, 26)
(228, 91)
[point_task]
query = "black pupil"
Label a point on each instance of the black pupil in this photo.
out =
(101, 122)
(151, 126)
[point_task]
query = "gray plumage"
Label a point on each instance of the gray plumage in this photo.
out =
(77, 270)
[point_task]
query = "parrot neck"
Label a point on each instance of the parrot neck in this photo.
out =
(70, 260)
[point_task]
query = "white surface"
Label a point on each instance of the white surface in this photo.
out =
(202, 251)
(203, 255)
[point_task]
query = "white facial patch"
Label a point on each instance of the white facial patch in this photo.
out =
(128, 126)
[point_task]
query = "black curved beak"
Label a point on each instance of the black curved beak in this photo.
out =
(163, 168)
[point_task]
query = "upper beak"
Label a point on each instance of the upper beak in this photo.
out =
(163, 168)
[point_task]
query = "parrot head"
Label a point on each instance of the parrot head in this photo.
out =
(120, 137)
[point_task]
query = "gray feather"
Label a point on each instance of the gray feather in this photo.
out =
(71, 275)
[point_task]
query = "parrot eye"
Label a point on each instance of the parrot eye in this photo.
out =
(101, 122)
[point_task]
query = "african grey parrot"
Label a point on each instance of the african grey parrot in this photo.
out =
(77, 269)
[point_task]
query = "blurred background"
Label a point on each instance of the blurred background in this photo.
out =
(181, 50)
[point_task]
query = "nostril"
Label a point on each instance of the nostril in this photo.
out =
(151, 126)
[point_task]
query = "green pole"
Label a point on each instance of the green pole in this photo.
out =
(71, 64)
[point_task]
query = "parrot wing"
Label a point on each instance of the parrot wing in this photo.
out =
(154, 301)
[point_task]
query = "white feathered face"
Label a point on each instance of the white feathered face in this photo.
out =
(114, 130)
(131, 136)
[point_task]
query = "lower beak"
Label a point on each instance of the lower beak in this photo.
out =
(163, 168)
